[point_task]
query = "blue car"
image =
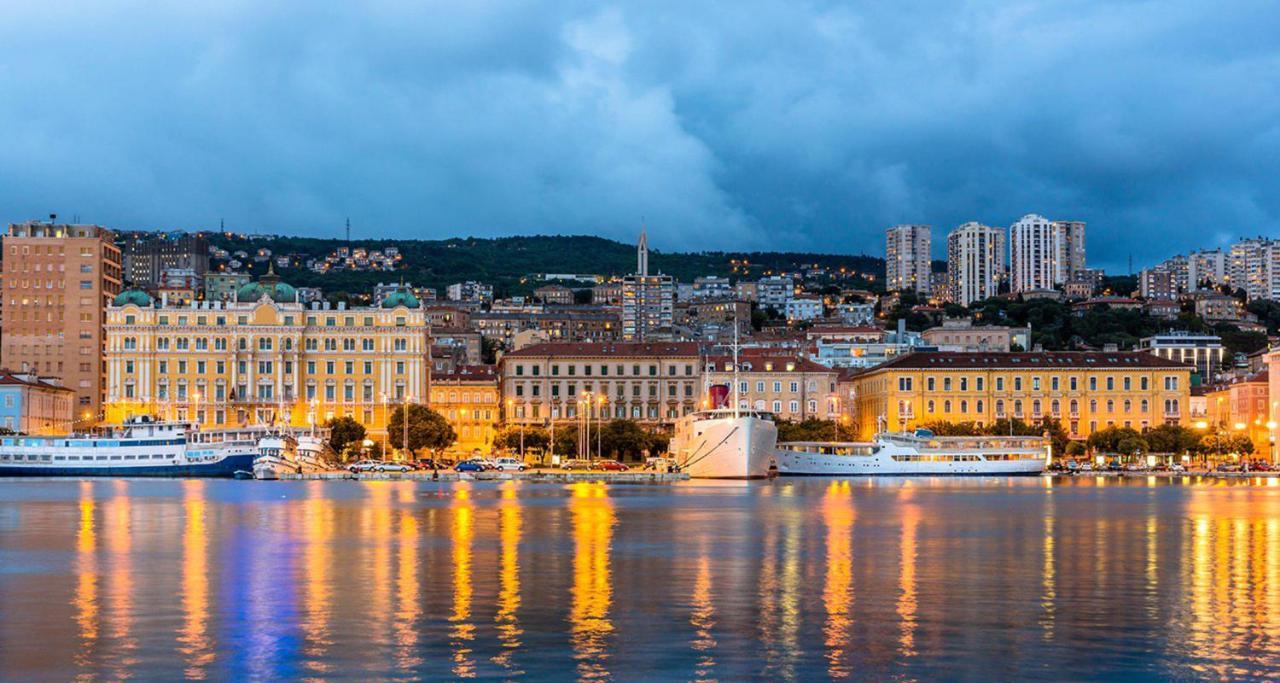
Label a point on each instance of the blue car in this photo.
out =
(468, 466)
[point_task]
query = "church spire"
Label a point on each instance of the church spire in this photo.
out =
(642, 253)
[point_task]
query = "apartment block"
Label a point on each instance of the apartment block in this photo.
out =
(58, 280)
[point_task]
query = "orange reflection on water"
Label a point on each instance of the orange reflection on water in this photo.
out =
(506, 618)
(837, 592)
(378, 529)
(463, 631)
(907, 606)
(196, 645)
(1235, 594)
(1048, 575)
(703, 619)
(119, 593)
(86, 596)
(407, 588)
(590, 627)
(317, 585)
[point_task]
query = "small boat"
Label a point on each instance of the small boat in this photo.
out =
(315, 455)
(277, 455)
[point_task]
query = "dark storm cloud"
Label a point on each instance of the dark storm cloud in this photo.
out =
(755, 124)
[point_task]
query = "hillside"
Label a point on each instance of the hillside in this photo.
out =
(508, 262)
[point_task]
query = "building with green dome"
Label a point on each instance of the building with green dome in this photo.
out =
(268, 285)
(137, 297)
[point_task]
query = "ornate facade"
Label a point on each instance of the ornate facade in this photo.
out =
(265, 358)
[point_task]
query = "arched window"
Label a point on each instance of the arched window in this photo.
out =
(946, 406)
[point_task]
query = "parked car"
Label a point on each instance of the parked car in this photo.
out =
(575, 464)
(609, 466)
(469, 466)
(364, 466)
(509, 465)
(393, 467)
(1135, 467)
(1177, 467)
(1086, 467)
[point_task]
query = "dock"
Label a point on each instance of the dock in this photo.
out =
(533, 476)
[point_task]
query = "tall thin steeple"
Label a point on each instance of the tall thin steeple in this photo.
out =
(642, 254)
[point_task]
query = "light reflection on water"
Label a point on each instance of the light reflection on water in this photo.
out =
(784, 580)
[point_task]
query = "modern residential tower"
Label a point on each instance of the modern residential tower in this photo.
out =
(907, 258)
(975, 262)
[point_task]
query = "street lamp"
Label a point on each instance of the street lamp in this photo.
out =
(600, 425)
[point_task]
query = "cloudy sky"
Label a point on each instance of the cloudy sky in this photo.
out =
(746, 124)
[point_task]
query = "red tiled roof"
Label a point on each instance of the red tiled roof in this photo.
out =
(9, 378)
(1091, 360)
(779, 363)
(606, 349)
(468, 373)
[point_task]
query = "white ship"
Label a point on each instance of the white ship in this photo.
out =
(277, 455)
(141, 447)
(918, 453)
(314, 453)
(724, 444)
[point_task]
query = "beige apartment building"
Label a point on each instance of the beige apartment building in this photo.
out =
(57, 282)
(791, 388)
(652, 382)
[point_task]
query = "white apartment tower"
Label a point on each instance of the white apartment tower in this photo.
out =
(975, 262)
(907, 258)
(1035, 254)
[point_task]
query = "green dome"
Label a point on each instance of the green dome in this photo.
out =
(137, 297)
(280, 292)
(400, 298)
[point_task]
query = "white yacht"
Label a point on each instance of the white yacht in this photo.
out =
(917, 453)
(277, 455)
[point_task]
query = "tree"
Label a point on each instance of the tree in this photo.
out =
(427, 429)
(535, 439)
(813, 429)
(622, 438)
(1131, 445)
(1109, 440)
(1075, 449)
(1171, 439)
(344, 431)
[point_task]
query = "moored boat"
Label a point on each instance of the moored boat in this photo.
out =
(141, 447)
(277, 455)
(724, 444)
(917, 453)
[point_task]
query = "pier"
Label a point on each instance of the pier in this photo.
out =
(535, 476)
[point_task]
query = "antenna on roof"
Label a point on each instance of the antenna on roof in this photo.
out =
(348, 232)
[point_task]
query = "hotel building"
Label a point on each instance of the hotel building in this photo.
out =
(58, 280)
(650, 382)
(265, 358)
(1085, 391)
(648, 301)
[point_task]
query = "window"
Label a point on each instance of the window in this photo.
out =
(904, 384)
(999, 384)
(929, 384)
(1171, 384)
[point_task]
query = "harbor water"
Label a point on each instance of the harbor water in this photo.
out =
(985, 579)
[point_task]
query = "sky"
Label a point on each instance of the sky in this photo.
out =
(752, 124)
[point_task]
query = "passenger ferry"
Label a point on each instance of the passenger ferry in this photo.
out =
(724, 444)
(917, 453)
(142, 447)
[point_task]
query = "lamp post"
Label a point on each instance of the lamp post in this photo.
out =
(386, 430)
(600, 425)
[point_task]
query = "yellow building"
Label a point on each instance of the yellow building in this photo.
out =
(468, 399)
(265, 358)
(1085, 391)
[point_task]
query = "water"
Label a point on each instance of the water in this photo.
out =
(794, 579)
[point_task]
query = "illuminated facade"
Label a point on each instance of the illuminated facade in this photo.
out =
(468, 399)
(1084, 391)
(265, 358)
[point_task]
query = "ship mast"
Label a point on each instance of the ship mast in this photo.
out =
(735, 363)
